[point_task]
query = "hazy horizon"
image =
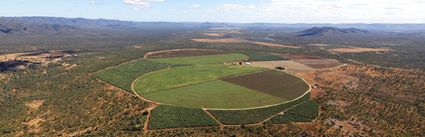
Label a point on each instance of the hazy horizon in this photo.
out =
(226, 11)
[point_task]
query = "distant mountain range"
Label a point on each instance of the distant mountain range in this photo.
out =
(332, 31)
(17, 25)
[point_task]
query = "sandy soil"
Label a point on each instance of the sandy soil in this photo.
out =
(34, 104)
(222, 40)
(290, 66)
(313, 61)
(360, 50)
(273, 45)
(34, 124)
(214, 34)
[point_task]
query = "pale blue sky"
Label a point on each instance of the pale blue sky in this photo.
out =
(276, 11)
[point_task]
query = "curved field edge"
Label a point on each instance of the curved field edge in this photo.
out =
(123, 75)
(253, 116)
(165, 116)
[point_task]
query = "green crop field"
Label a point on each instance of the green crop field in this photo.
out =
(304, 112)
(202, 60)
(250, 116)
(123, 75)
(185, 76)
(214, 94)
(176, 117)
(258, 56)
(233, 94)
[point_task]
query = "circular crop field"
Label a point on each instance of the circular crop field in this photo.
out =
(213, 82)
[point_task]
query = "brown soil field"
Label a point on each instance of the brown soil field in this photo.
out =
(273, 45)
(222, 40)
(313, 61)
(214, 34)
(181, 53)
(360, 50)
(290, 66)
(272, 82)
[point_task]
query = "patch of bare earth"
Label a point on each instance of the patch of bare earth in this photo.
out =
(138, 46)
(273, 45)
(360, 50)
(34, 104)
(290, 66)
(222, 40)
(214, 34)
(313, 61)
(34, 124)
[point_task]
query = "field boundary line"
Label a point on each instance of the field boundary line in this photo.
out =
(148, 117)
(214, 118)
(282, 112)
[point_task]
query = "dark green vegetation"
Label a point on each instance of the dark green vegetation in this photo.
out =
(251, 116)
(303, 112)
(176, 117)
(123, 75)
(260, 56)
(272, 82)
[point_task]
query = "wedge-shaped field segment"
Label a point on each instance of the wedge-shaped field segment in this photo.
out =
(178, 117)
(123, 75)
(214, 94)
(202, 60)
(304, 112)
(272, 82)
(167, 79)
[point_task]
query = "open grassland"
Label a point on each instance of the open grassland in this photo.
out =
(203, 60)
(360, 50)
(289, 65)
(251, 116)
(178, 117)
(276, 83)
(304, 112)
(214, 94)
(123, 75)
(259, 56)
(185, 76)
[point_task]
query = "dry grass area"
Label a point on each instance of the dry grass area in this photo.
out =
(313, 61)
(35, 56)
(290, 66)
(236, 40)
(360, 50)
(138, 46)
(214, 34)
(274, 45)
(34, 104)
(222, 40)
(34, 124)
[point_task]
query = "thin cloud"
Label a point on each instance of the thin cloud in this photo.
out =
(137, 4)
(235, 7)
